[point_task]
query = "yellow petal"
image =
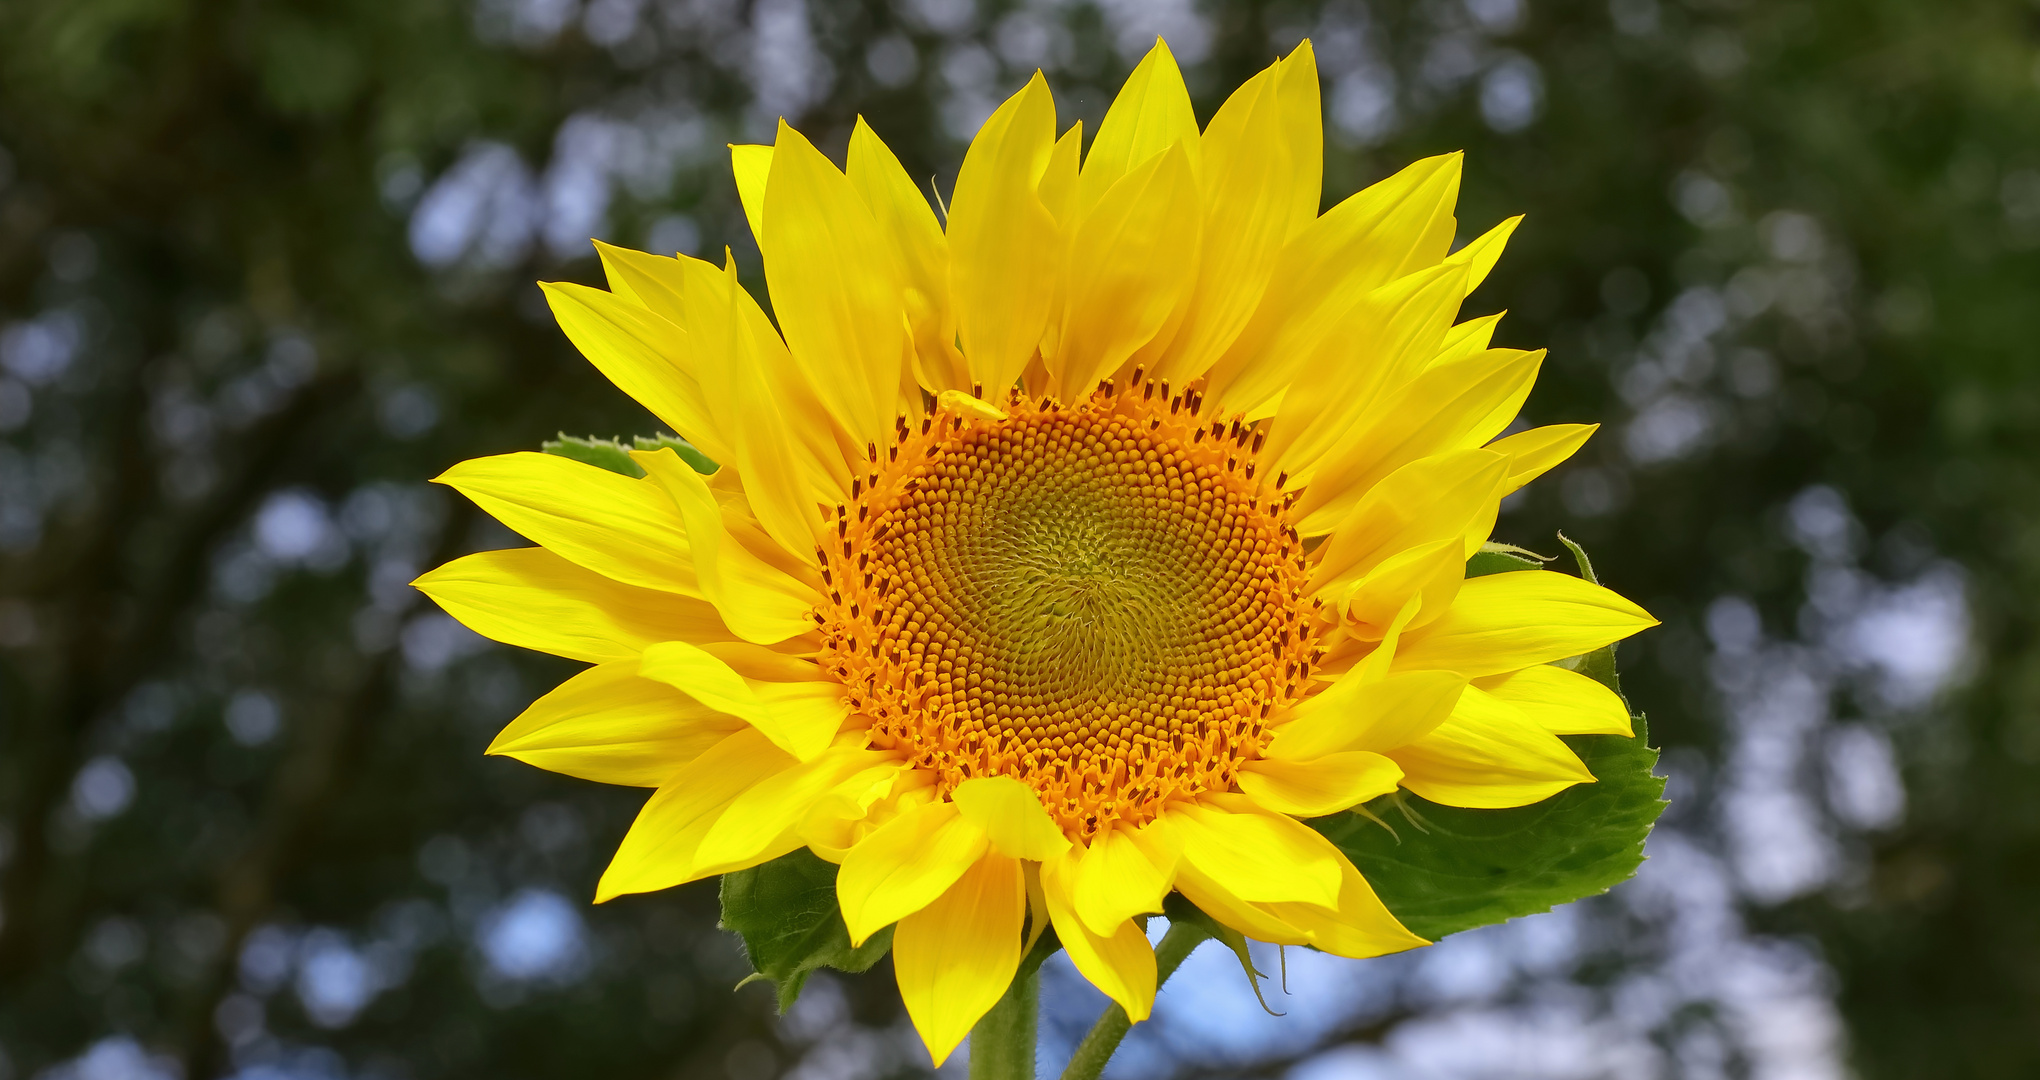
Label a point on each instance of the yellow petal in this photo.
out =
(904, 865)
(1561, 702)
(1502, 622)
(1004, 250)
(1255, 855)
(1261, 184)
(908, 227)
(534, 599)
(1012, 816)
(1114, 879)
(1058, 187)
(955, 957)
(1401, 224)
(1121, 963)
(658, 851)
(1535, 452)
(799, 718)
(1353, 714)
(621, 528)
(760, 823)
(764, 438)
(1320, 786)
(1429, 499)
(1151, 114)
(1470, 338)
(1384, 336)
(752, 166)
(834, 288)
(1361, 926)
(610, 726)
(637, 351)
(1484, 251)
(1431, 572)
(690, 292)
(1488, 755)
(1131, 266)
(1452, 407)
(759, 601)
(1257, 921)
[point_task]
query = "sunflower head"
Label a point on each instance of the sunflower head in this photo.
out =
(1063, 555)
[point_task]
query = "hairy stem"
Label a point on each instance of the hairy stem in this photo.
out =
(1104, 1036)
(1002, 1043)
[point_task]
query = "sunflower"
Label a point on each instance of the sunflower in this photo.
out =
(1062, 554)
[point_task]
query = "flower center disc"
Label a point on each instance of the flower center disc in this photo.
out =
(1098, 601)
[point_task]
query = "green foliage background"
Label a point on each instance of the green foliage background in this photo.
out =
(217, 338)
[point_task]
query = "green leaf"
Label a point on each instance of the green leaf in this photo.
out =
(786, 912)
(613, 455)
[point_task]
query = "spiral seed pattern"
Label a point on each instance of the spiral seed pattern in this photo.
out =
(1101, 601)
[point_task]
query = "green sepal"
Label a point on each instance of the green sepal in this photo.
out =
(1497, 558)
(613, 455)
(1181, 912)
(701, 462)
(785, 910)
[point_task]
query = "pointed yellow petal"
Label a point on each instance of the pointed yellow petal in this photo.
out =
(760, 602)
(1361, 926)
(610, 726)
(1535, 452)
(1481, 255)
(955, 957)
(1453, 407)
(1004, 249)
(637, 351)
(534, 599)
(1470, 338)
(836, 292)
(1058, 187)
(761, 823)
(1255, 855)
(1561, 702)
(1151, 114)
(764, 438)
(1320, 786)
(1502, 622)
(1353, 714)
(799, 718)
(1429, 499)
(907, 225)
(658, 851)
(752, 165)
(904, 865)
(1260, 186)
(1121, 963)
(1131, 266)
(1399, 225)
(1488, 755)
(689, 292)
(1011, 814)
(593, 517)
(1114, 879)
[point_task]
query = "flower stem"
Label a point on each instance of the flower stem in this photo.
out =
(1104, 1036)
(1002, 1043)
